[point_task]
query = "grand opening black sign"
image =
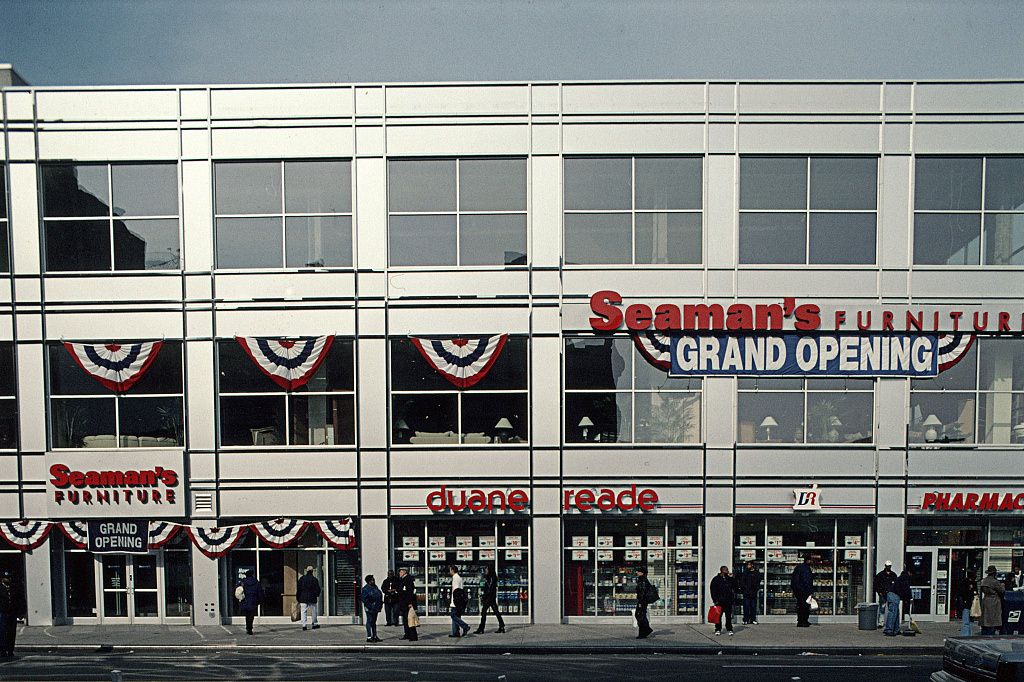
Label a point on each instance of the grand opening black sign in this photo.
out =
(119, 537)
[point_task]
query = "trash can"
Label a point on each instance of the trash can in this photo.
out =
(867, 616)
(1013, 612)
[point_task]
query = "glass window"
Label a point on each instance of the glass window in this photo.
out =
(291, 214)
(815, 210)
(426, 409)
(954, 217)
(5, 258)
(256, 412)
(613, 395)
(642, 210)
(457, 212)
(8, 399)
(110, 216)
(813, 411)
(86, 414)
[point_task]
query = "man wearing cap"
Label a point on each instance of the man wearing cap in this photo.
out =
(10, 607)
(307, 594)
(883, 583)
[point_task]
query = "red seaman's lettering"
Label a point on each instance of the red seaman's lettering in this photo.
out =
(64, 477)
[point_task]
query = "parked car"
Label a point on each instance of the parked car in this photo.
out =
(981, 659)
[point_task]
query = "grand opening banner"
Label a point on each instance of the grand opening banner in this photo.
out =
(897, 355)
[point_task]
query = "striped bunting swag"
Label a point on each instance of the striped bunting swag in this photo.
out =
(25, 535)
(279, 532)
(160, 532)
(115, 365)
(339, 534)
(952, 347)
(77, 532)
(289, 363)
(655, 348)
(214, 541)
(463, 362)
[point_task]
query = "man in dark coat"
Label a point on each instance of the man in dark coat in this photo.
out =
(373, 601)
(307, 594)
(407, 599)
(900, 591)
(391, 606)
(802, 583)
(723, 594)
(883, 583)
(750, 585)
(489, 600)
(11, 606)
(251, 600)
(643, 598)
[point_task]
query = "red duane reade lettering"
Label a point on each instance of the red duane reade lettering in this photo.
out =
(477, 500)
(606, 499)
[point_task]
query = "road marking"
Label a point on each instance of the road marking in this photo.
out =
(816, 666)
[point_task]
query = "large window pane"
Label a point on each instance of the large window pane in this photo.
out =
(844, 184)
(492, 185)
(83, 423)
(318, 242)
(494, 418)
(421, 185)
(146, 189)
(8, 424)
(508, 373)
(317, 187)
(249, 243)
(598, 238)
(839, 417)
(947, 184)
(77, 245)
(238, 372)
(492, 240)
(3, 194)
(596, 184)
(1004, 239)
(766, 417)
(151, 422)
(999, 414)
(425, 419)
(422, 240)
(5, 256)
(68, 378)
(773, 183)
(772, 237)
(943, 417)
(598, 363)
(667, 417)
(248, 188)
(668, 238)
(842, 238)
(146, 245)
(1001, 364)
(960, 376)
(598, 418)
(322, 419)
(1004, 184)
(669, 183)
(75, 191)
(252, 420)
(947, 238)
(411, 372)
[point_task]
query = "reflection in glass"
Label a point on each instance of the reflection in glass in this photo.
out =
(604, 238)
(249, 243)
(318, 241)
(844, 238)
(151, 422)
(768, 183)
(491, 185)
(178, 577)
(941, 417)
(598, 183)
(421, 185)
(75, 191)
(1004, 183)
(498, 239)
(83, 422)
(598, 418)
(247, 188)
(766, 417)
(422, 240)
(80, 584)
(317, 187)
(425, 419)
(598, 363)
(839, 417)
(494, 418)
(322, 419)
(947, 183)
(947, 238)
(844, 184)
(667, 417)
(252, 420)
(671, 183)
(145, 189)
(668, 238)
(772, 237)
(1004, 239)
(146, 245)
(77, 245)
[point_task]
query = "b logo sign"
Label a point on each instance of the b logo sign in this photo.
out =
(807, 499)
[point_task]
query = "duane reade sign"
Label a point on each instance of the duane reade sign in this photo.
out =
(126, 484)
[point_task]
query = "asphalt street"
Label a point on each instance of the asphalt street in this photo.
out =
(319, 665)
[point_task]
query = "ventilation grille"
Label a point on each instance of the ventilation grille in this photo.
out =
(202, 503)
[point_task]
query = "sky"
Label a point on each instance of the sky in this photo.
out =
(114, 42)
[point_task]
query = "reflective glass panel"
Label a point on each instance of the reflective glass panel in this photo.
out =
(146, 189)
(483, 415)
(768, 183)
(83, 422)
(492, 185)
(844, 184)
(492, 239)
(252, 420)
(839, 417)
(667, 417)
(8, 424)
(1001, 364)
(1004, 239)
(668, 238)
(960, 376)
(598, 238)
(772, 237)
(598, 417)
(598, 363)
(317, 187)
(766, 417)
(842, 238)
(237, 371)
(941, 417)
(146, 245)
(249, 243)
(322, 419)
(422, 240)
(77, 245)
(151, 422)
(425, 419)
(247, 188)
(669, 183)
(598, 184)
(947, 238)
(1004, 184)
(318, 242)
(421, 185)
(947, 184)
(75, 191)
(1001, 418)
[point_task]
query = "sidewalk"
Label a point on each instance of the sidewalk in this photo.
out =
(775, 638)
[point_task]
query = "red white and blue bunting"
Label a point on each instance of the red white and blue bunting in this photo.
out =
(160, 532)
(463, 362)
(952, 347)
(25, 535)
(214, 541)
(655, 347)
(290, 363)
(77, 532)
(339, 534)
(279, 532)
(116, 366)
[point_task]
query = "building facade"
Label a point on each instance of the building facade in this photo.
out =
(559, 329)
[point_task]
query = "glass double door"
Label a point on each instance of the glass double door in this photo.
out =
(130, 587)
(937, 577)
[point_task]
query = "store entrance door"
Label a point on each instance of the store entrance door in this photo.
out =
(921, 562)
(961, 561)
(130, 587)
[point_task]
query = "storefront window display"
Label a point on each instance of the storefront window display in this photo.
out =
(601, 556)
(777, 545)
(813, 411)
(429, 548)
(279, 569)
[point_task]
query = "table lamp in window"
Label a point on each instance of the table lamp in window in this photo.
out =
(932, 428)
(767, 423)
(503, 429)
(585, 424)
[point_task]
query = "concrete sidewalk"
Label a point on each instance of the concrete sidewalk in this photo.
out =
(775, 638)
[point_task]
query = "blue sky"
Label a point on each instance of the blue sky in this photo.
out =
(73, 42)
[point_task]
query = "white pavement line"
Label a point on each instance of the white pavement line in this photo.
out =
(815, 666)
(201, 635)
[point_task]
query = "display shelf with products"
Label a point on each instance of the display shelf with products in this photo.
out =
(513, 590)
(616, 590)
(687, 588)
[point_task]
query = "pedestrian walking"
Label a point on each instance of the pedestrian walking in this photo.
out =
(968, 592)
(899, 591)
(723, 594)
(457, 605)
(373, 602)
(407, 602)
(391, 603)
(802, 582)
(307, 594)
(11, 606)
(252, 597)
(750, 585)
(645, 596)
(883, 583)
(489, 600)
(991, 591)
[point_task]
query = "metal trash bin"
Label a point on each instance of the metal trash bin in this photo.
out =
(867, 616)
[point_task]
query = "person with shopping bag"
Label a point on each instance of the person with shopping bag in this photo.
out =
(970, 604)
(991, 591)
(723, 594)
(407, 598)
(802, 582)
